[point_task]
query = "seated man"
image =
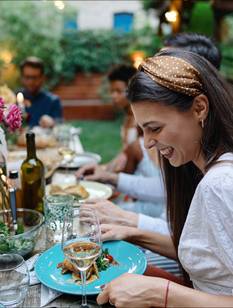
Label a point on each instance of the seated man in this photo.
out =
(43, 108)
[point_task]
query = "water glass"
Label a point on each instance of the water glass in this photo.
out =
(14, 280)
(56, 208)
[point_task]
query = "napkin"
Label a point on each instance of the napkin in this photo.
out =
(47, 294)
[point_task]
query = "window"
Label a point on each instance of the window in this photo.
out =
(123, 22)
(71, 21)
(71, 25)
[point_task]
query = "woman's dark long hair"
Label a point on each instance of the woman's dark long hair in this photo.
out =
(181, 182)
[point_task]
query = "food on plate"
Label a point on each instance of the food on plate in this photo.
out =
(78, 191)
(104, 261)
(42, 141)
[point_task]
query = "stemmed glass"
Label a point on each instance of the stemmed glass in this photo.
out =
(14, 280)
(65, 150)
(81, 243)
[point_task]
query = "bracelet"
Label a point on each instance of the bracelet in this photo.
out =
(166, 295)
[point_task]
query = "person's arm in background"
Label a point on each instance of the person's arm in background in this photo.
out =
(55, 114)
(56, 111)
(140, 187)
(154, 224)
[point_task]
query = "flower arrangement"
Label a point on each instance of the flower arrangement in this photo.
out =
(10, 116)
(10, 120)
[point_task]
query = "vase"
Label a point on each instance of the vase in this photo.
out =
(3, 151)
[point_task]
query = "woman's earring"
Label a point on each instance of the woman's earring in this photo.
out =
(202, 123)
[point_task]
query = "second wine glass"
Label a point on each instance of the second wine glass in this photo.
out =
(81, 243)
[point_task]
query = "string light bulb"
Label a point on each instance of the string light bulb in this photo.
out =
(59, 4)
(171, 16)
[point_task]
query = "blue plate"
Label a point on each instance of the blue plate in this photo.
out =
(130, 258)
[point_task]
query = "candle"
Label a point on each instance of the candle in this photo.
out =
(20, 99)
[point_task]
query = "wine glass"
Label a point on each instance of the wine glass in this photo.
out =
(65, 150)
(14, 280)
(81, 243)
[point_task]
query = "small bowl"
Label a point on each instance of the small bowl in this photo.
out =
(30, 222)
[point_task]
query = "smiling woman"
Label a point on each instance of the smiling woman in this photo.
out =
(185, 110)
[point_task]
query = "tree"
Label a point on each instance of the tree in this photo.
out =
(32, 28)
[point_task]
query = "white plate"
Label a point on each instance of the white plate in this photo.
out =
(82, 159)
(96, 190)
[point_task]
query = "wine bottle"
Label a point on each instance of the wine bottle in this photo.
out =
(32, 177)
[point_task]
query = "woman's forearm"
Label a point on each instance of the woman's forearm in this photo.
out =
(156, 242)
(180, 296)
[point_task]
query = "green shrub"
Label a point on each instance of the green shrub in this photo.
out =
(36, 28)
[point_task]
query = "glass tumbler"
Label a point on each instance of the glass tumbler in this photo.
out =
(56, 208)
(14, 280)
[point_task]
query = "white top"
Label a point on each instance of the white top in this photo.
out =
(141, 187)
(206, 243)
(150, 189)
(153, 224)
(146, 185)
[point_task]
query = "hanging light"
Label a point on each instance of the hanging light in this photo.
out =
(137, 57)
(171, 16)
(59, 4)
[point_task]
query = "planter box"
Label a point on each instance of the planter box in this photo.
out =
(96, 111)
(82, 87)
(80, 98)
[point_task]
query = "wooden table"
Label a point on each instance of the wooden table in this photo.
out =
(65, 300)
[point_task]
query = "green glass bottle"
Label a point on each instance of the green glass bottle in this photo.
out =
(32, 177)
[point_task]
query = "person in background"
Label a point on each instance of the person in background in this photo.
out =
(197, 43)
(43, 108)
(119, 78)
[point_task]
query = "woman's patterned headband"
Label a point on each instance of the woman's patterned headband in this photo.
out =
(173, 73)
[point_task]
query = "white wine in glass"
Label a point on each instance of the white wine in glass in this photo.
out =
(81, 244)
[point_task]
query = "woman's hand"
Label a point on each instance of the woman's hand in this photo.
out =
(109, 213)
(111, 232)
(94, 172)
(137, 291)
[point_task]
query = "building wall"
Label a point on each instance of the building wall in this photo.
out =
(99, 14)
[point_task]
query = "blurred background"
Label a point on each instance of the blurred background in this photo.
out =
(79, 41)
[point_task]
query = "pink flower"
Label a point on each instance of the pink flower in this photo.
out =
(2, 106)
(14, 117)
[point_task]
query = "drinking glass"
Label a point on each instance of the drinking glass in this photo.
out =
(14, 280)
(81, 243)
(56, 207)
(65, 150)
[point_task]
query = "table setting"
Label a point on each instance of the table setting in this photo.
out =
(65, 262)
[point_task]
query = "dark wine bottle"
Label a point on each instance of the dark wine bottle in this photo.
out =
(32, 177)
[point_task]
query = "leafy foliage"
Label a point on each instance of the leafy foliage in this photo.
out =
(37, 28)
(32, 28)
(154, 4)
(97, 51)
(202, 19)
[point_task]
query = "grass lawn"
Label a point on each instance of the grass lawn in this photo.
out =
(102, 137)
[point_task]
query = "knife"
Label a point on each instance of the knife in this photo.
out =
(12, 192)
